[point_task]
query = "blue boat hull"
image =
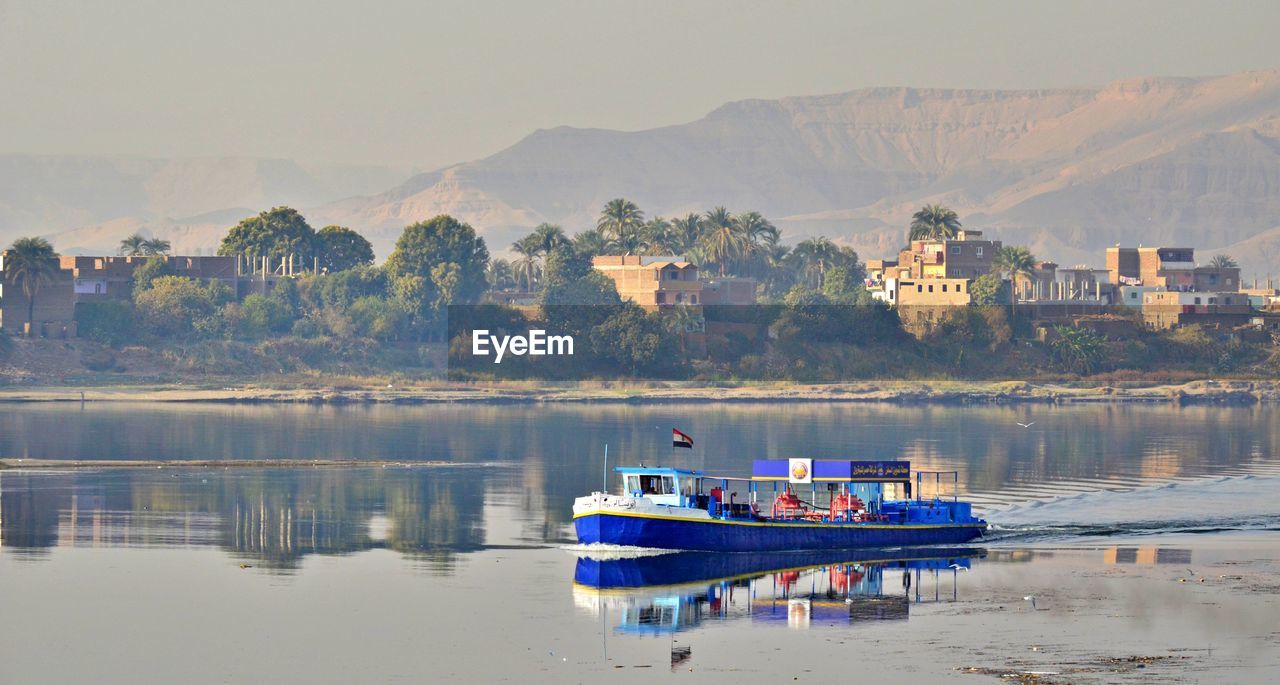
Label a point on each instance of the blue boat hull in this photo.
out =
(762, 536)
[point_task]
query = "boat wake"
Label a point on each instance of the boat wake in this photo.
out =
(1210, 505)
(603, 552)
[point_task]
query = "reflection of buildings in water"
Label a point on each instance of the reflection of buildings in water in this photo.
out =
(275, 516)
(1147, 555)
(844, 593)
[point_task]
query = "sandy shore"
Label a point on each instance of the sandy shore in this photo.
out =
(1233, 392)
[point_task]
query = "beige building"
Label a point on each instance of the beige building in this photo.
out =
(1169, 308)
(652, 281)
(907, 292)
(1171, 268)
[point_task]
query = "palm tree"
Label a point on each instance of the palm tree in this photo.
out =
(685, 233)
(723, 238)
(1224, 261)
(29, 264)
(758, 229)
(934, 222)
(548, 237)
(155, 247)
(526, 267)
(618, 217)
(1015, 263)
(500, 275)
(815, 256)
(591, 243)
(656, 236)
(682, 319)
(133, 246)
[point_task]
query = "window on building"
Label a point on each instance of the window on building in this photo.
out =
(930, 287)
(693, 298)
(1213, 300)
(944, 287)
(660, 298)
(919, 288)
(1213, 279)
(955, 249)
(978, 250)
(1197, 300)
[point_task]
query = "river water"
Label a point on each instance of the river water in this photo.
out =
(458, 563)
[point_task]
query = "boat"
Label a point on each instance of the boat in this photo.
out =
(786, 505)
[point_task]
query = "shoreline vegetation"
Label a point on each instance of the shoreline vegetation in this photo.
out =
(1195, 392)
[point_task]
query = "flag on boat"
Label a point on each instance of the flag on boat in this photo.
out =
(679, 439)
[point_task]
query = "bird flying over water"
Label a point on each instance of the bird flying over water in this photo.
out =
(1031, 599)
(1027, 425)
(958, 567)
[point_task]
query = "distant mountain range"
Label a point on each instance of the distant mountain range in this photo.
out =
(1194, 162)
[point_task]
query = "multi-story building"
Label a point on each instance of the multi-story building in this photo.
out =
(652, 281)
(1170, 308)
(965, 256)
(1171, 268)
(663, 281)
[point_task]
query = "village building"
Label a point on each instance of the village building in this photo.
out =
(657, 281)
(54, 313)
(1171, 308)
(965, 256)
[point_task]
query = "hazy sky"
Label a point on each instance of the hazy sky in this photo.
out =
(424, 83)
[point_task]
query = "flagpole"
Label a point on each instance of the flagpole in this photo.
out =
(605, 481)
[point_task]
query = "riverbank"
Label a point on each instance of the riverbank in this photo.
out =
(1226, 392)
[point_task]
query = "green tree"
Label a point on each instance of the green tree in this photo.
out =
(683, 234)
(500, 275)
(989, 289)
(133, 245)
(591, 243)
(548, 237)
(273, 234)
(815, 256)
(1017, 263)
(619, 217)
(845, 285)
(526, 267)
(149, 271)
(723, 238)
(1078, 350)
(338, 248)
(180, 307)
(934, 222)
(156, 247)
(427, 244)
(30, 264)
(1223, 261)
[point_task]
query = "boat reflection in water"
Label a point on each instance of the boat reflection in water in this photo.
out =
(670, 593)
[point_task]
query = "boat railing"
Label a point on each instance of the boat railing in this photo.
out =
(937, 479)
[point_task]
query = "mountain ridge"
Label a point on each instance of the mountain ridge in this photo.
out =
(1067, 170)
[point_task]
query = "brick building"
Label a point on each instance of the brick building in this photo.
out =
(664, 281)
(54, 315)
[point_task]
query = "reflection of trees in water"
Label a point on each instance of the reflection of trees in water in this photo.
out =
(557, 451)
(275, 516)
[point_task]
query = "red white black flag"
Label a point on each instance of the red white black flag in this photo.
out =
(679, 439)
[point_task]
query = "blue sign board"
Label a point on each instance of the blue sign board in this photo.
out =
(837, 470)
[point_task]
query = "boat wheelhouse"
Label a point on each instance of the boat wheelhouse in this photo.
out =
(786, 504)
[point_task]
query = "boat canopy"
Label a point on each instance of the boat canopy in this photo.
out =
(831, 471)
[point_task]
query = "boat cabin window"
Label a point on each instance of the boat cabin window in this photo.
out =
(653, 485)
